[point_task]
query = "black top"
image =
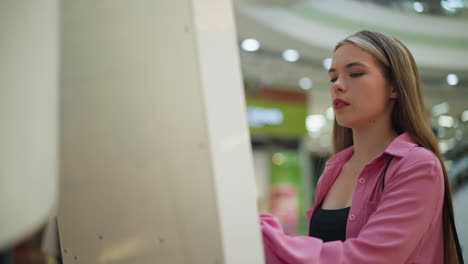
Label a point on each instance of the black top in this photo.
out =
(329, 225)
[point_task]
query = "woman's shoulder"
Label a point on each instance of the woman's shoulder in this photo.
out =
(418, 154)
(408, 151)
(420, 173)
(418, 163)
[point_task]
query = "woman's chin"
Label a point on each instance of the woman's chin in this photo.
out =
(344, 123)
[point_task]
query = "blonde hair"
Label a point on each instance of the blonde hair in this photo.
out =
(409, 115)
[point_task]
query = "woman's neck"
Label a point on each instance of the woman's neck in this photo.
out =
(371, 141)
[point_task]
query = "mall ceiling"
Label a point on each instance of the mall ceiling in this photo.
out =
(439, 43)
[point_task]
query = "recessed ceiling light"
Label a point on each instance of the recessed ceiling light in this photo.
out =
(290, 55)
(326, 63)
(305, 83)
(250, 45)
(452, 79)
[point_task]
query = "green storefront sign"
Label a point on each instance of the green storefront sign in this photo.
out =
(274, 118)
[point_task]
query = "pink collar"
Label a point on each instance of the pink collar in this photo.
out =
(398, 148)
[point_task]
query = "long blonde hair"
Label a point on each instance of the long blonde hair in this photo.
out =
(408, 115)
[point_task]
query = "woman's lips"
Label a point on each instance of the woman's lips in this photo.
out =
(339, 104)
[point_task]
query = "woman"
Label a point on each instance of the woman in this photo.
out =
(384, 197)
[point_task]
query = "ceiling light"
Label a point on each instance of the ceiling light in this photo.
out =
(418, 7)
(305, 83)
(290, 55)
(250, 45)
(326, 63)
(452, 79)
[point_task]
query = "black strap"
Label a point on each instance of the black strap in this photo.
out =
(452, 220)
(457, 243)
(385, 172)
(455, 237)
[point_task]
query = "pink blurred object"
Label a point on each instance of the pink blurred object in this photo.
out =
(284, 205)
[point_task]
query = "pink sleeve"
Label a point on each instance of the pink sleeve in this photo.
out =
(411, 199)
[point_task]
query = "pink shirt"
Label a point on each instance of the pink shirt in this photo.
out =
(401, 224)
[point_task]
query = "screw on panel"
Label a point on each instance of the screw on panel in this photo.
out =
(65, 251)
(101, 237)
(75, 257)
(161, 240)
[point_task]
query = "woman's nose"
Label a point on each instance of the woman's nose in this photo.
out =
(338, 86)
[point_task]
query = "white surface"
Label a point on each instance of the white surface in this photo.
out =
(28, 116)
(229, 143)
(261, 160)
(155, 161)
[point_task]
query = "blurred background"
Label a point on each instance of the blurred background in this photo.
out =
(285, 48)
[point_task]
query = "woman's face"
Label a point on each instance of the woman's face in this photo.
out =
(359, 91)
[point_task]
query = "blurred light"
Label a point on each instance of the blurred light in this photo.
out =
(440, 109)
(290, 55)
(326, 63)
(305, 83)
(447, 144)
(441, 131)
(464, 116)
(314, 134)
(250, 45)
(452, 79)
(445, 121)
(443, 147)
(260, 116)
(330, 113)
(418, 6)
(277, 159)
(458, 135)
(315, 122)
(452, 5)
(451, 143)
(448, 164)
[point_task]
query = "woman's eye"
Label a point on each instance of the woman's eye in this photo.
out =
(354, 75)
(332, 80)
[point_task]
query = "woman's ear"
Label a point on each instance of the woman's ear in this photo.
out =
(393, 92)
